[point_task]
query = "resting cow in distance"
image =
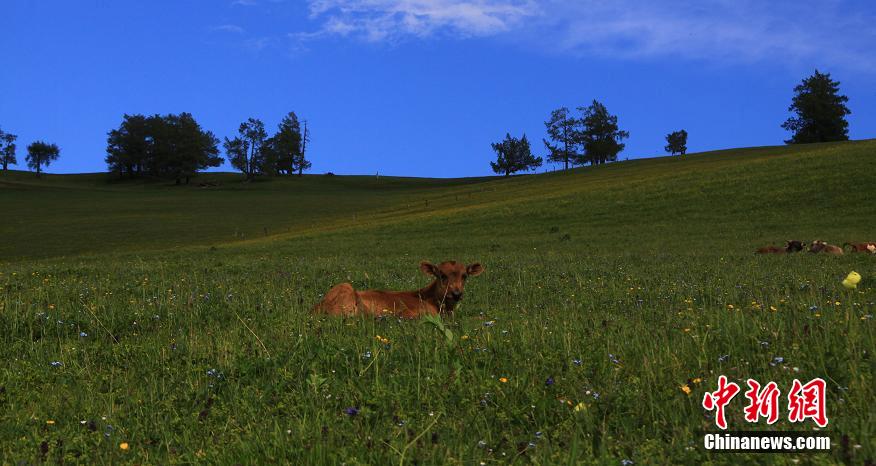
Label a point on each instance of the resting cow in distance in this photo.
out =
(440, 297)
(790, 246)
(861, 247)
(819, 246)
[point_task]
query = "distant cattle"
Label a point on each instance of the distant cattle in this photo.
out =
(790, 246)
(819, 246)
(440, 297)
(861, 247)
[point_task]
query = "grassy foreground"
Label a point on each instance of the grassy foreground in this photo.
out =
(620, 285)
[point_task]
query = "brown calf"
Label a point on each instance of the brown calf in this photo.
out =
(862, 247)
(440, 297)
(820, 246)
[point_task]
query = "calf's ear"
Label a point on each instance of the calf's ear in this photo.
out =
(429, 268)
(475, 269)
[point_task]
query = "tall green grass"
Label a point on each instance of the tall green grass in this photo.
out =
(620, 285)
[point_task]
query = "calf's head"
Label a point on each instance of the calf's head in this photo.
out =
(450, 278)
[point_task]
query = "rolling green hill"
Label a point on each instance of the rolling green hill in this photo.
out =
(148, 323)
(823, 190)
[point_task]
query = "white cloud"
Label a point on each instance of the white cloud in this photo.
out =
(823, 31)
(380, 20)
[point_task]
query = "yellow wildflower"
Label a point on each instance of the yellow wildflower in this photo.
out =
(503, 379)
(685, 389)
(124, 445)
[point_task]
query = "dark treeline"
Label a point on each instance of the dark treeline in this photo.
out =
(161, 146)
(254, 153)
(593, 136)
(176, 147)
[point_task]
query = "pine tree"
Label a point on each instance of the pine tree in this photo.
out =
(820, 111)
(514, 155)
(599, 134)
(561, 129)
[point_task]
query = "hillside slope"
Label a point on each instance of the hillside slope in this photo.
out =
(759, 194)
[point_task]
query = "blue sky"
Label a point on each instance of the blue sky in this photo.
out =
(422, 87)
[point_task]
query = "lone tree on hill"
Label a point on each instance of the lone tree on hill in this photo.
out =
(561, 129)
(821, 111)
(514, 155)
(676, 142)
(246, 152)
(599, 134)
(40, 153)
(7, 149)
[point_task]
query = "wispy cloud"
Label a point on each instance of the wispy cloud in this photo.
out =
(254, 2)
(390, 20)
(829, 31)
(721, 30)
(230, 28)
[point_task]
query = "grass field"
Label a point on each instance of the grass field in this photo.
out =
(174, 320)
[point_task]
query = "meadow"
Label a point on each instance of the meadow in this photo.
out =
(154, 324)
